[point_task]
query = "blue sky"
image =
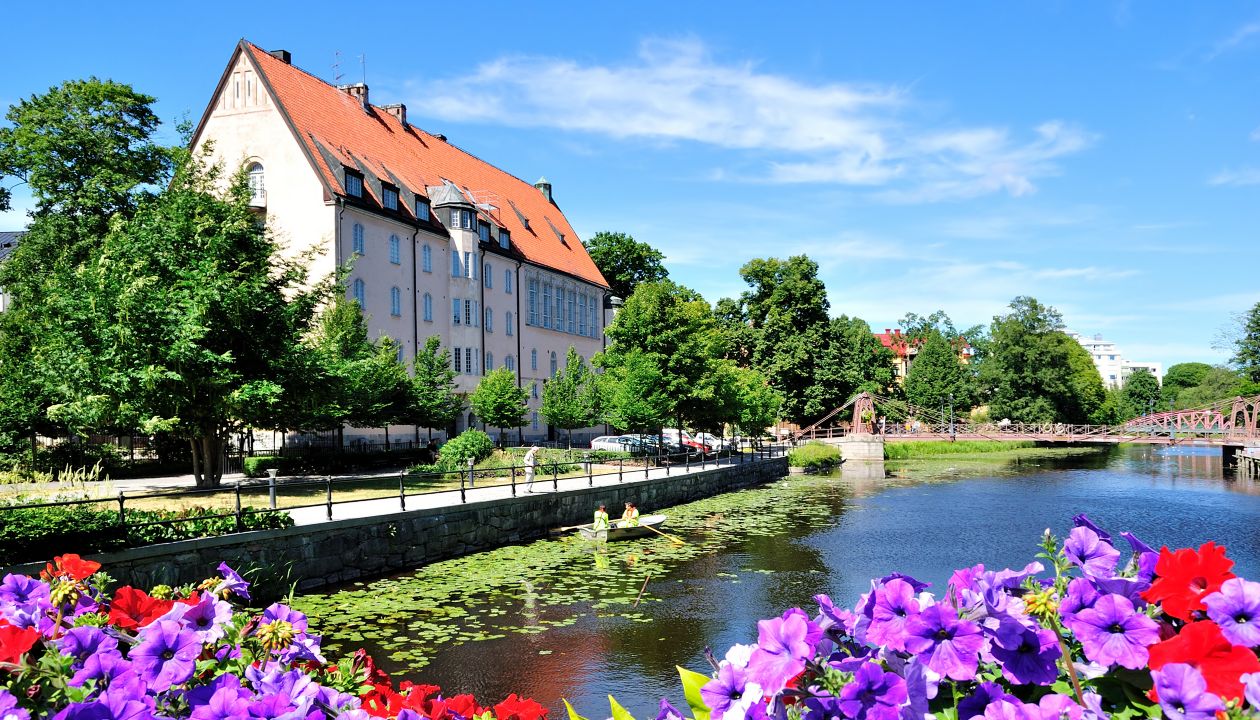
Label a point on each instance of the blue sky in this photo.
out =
(1103, 157)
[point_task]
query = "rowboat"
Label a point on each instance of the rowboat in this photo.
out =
(616, 532)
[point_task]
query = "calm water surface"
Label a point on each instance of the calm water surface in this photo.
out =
(556, 619)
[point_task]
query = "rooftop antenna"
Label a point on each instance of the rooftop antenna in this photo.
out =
(363, 67)
(336, 67)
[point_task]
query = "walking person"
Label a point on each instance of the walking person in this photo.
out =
(531, 464)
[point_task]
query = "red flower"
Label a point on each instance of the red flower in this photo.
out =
(16, 642)
(72, 566)
(518, 708)
(1202, 645)
(464, 705)
(381, 701)
(1184, 577)
(375, 675)
(132, 608)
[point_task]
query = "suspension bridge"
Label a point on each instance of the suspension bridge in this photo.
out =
(1233, 424)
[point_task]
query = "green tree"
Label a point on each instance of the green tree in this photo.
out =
(85, 149)
(1182, 376)
(674, 328)
(435, 401)
(498, 401)
(759, 402)
(1035, 372)
(848, 359)
(567, 398)
(1247, 344)
(1141, 392)
(625, 262)
(936, 377)
(199, 319)
(1115, 409)
(1218, 383)
(634, 394)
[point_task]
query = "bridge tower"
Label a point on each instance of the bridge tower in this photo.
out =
(863, 443)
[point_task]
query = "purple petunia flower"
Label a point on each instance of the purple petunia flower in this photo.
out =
(829, 615)
(952, 646)
(1251, 688)
(895, 604)
(1060, 707)
(207, 617)
(277, 612)
(223, 699)
(1095, 556)
(281, 707)
(1183, 693)
(233, 582)
(782, 651)
(1082, 520)
(1236, 608)
(1081, 594)
(9, 709)
(1027, 656)
(24, 590)
(1011, 709)
(1145, 554)
(667, 711)
(166, 656)
(873, 694)
(730, 693)
(92, 710)
(986, 693)
(1112, 632)
(89, 647)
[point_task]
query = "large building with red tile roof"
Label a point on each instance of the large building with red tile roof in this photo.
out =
(438, 241)
(905, 348)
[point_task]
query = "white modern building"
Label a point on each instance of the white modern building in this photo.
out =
(1112, 365)
(442, 242)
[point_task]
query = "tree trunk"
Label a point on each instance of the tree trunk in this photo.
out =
(386, 437)
(207, 452)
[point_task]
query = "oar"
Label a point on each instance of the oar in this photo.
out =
(675, 540)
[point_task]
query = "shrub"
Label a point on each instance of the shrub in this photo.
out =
(331, 461)
(470, 444)
(925, 448)
(814, 454)
(31, 533)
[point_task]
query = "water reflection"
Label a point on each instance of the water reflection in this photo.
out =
(754, 553)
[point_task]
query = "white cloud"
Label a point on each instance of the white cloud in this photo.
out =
(1238, 37)
(1241, 176)
(847, 133)
(1255, 135)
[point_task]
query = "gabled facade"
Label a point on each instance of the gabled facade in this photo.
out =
(441, 242)
(905, 349)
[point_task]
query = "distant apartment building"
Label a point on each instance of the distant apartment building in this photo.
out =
(904, 350)
(8, 241)
(1112, 365)
(442, 243)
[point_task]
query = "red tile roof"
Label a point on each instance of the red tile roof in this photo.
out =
(330, 122)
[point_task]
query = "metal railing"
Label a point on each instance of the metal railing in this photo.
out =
(321, 492)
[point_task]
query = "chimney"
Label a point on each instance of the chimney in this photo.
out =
(398, 110)
(440, 136)
(544, 187)
(282, 55)
(358, 91)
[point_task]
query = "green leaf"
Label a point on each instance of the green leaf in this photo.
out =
(692, 682)
(618, 712)
(572, 713)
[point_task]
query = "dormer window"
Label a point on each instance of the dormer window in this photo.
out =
(422, 210)
(483, 232)
(505, 239)
(354, 184)
(467, 219)
(389, 197)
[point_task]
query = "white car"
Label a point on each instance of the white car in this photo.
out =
(614, 443)
(711, 441)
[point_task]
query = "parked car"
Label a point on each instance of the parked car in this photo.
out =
(614, 443)
(714, 443)
(650, 445)
(682, 437)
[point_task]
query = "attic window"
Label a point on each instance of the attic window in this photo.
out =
(422, 210)
(354, 184)
(505, 239)
(389, 197)
(483, 232)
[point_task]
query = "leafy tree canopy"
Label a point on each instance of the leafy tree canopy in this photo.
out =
(1142, 393)
(1247, 344)
(625, 262)
(568, 399)
(498, 401)
(937, 378)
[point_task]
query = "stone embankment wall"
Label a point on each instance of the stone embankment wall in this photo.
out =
(315, 556)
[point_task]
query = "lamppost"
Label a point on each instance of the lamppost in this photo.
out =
(951, 417)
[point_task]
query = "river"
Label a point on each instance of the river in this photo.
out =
(557, 618)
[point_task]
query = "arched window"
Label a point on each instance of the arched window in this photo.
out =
(358, 245)
(507, 324)
(533, 359)
(554, 365)
(257, 191)
(395, 302)
(359, 290)
(428, 307)
(395, 250)
(426, 258)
